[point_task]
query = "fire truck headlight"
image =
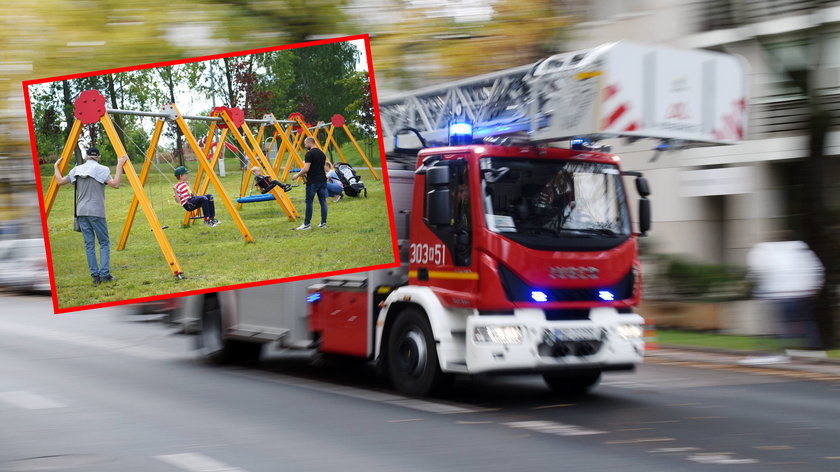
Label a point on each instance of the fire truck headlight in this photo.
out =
(498, 334)
(629, 331)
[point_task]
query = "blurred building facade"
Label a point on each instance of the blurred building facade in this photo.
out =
(714, 203)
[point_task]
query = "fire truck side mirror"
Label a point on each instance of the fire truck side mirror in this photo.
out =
(644, 216)
(642, 187)
(439, 207)
(437, 176)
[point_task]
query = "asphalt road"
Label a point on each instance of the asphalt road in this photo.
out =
(105, 391)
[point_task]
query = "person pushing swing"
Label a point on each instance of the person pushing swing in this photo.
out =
(190, 202)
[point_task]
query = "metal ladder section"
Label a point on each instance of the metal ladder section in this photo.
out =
(509, 102)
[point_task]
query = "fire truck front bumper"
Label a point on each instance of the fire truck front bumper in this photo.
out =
(527, 342)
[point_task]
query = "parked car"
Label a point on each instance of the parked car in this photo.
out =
(23, 265)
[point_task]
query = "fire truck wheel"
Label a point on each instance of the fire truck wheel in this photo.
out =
(571, 384)
(412, 354)
(212, 344)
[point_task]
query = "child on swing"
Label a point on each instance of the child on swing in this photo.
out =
(190, 202)
(265, 183)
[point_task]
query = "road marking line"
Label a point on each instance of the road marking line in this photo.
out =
(719, 458)
(405, 420)
(29, 400)
(639, 440)
(473, 422)
(773, 448)
(561, 405)
(195, 462)
(551, 427)
(674, 449)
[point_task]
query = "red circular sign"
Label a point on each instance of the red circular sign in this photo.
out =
(89, 107)
(338, 121)
(216, 112)
(237, 116)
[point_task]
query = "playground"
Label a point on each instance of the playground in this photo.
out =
(358, 235)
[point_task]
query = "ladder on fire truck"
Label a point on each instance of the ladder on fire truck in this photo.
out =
(613, 90)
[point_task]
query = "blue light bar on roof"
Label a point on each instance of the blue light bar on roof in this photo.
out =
(460, 132)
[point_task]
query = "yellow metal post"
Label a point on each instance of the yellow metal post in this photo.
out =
(208, 142)
(119, 149)
(202, 161)
(260, 134)
(255, 155)
(279, 194)
(199, 174)
(287, 144)
(350, 135)
(337, 148)
(202, 188)
(144, 173)
(69, 148)
(307, 132)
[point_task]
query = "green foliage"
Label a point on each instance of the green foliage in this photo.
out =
(695, 280)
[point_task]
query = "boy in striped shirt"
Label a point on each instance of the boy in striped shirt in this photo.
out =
(190, 202)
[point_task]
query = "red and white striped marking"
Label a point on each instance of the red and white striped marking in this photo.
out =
(619, 114)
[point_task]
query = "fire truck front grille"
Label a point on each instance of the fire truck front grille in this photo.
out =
(517, 290)
(565, 315)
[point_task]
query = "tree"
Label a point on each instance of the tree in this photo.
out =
(426, 47)
(318, 72)
(817, 216)
(360, 111)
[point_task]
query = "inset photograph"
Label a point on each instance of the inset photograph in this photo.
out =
(229, 171)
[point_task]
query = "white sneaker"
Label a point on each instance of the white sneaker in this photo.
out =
(322, 225)
(337, 198)
(209, 223)
(303, 227)
(215, 222)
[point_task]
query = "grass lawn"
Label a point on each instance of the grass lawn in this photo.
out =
(723, 341)
(358, 235)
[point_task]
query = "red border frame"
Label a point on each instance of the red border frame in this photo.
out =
(45, 229)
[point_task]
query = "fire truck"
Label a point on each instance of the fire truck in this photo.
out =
(515, 256)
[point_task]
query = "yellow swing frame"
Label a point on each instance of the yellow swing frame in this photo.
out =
(89, 109)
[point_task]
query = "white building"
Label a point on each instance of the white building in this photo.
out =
(714, 203)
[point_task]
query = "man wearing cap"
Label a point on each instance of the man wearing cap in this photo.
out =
(90, 179)
(190, 202)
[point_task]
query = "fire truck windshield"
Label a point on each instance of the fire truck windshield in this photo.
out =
(554, 204)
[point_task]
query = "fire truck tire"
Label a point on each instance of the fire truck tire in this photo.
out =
(412, 359)
(571, 384)
(212, 344)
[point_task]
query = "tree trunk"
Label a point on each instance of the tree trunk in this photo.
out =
(179, 149)
(69, 118)
(229, 77)
(816, 213)
(118, 119)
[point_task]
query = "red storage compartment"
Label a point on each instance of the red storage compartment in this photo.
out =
(340, 314)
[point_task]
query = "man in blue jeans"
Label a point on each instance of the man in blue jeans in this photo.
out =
(316, 182)
(90, 179)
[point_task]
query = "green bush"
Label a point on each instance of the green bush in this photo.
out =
(689, 279)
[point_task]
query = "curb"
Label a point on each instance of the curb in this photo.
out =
(740, 353)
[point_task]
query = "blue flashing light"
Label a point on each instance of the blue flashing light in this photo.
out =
(460, 129)
(663, 146)
(539, 296)
(313, 297)
(577, 144)
(460, 132)
(606, 295)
